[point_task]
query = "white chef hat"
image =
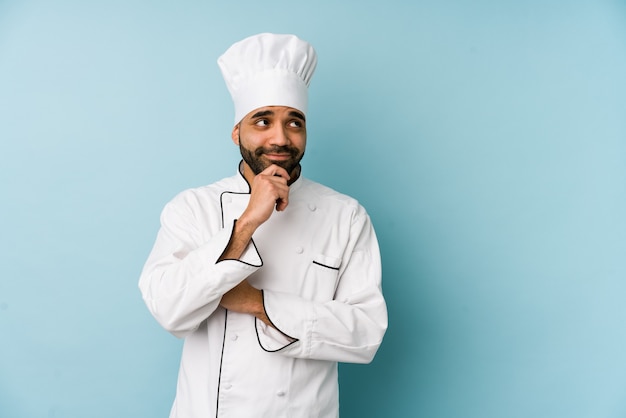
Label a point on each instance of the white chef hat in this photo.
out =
(268, 70)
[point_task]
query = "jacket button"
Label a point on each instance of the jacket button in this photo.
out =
(299, 250)
(312, 207)
(234, 337)
(227, 386)
(280, 393)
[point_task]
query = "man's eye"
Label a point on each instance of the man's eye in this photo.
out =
(262, 122)
(295, 124)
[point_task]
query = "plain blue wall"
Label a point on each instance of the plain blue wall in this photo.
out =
(487, 140)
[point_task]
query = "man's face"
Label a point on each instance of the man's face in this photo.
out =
(271, 135)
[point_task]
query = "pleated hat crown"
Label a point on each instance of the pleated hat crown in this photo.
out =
(268, 70)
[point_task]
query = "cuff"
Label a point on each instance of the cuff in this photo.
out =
(271, 338)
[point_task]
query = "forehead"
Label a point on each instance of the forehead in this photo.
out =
(275, 111)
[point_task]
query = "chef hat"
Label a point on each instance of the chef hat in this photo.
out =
(268, 70)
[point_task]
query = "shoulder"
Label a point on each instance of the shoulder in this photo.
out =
(204, 196)
(329, 198)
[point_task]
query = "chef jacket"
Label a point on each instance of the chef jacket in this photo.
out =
(318, 266)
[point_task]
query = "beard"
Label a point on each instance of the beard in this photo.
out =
(257, 163)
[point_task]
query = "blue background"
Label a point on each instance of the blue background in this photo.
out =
(486, 139)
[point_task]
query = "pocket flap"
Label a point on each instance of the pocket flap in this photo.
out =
(327, 261)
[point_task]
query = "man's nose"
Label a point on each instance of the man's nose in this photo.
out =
(280, 136)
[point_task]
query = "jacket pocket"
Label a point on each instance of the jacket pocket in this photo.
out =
(321, 279)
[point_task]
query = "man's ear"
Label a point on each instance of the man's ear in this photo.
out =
(235, 134)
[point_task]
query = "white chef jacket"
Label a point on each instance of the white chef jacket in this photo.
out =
(318, 265)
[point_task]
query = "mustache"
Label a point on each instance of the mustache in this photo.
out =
(276, 150)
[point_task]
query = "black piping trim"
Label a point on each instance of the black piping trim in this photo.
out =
(324, 265)
(295, 340)
(219, 376)
(242, 176)
(227, 191)
(220, 259)
(222, 202)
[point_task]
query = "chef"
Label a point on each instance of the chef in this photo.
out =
(271, 278)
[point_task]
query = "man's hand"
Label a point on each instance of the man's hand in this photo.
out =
(269, 191)
(244, 298)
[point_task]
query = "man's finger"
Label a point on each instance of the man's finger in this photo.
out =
(281, 204)
(275, 170)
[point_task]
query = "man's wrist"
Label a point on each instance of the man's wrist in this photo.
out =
(245, 226)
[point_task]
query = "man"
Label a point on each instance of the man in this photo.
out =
(271, 278)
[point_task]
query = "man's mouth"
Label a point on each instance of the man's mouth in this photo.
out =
(280, 157)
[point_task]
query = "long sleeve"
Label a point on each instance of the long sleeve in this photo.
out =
(348, 328)
(182, 283)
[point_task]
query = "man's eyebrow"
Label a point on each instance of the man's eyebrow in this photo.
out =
(298, 115)
(262, 113)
